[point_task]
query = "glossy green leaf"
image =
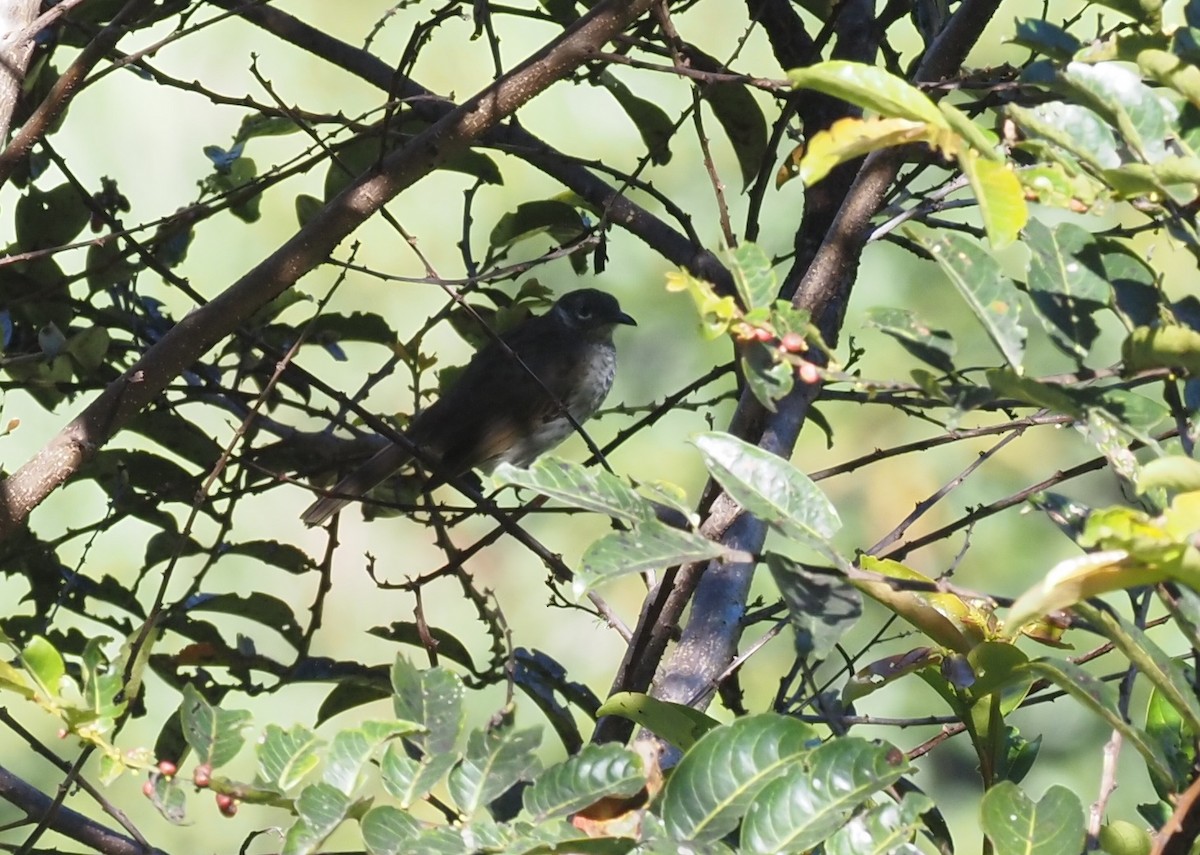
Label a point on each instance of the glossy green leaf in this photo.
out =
(1167, 346)
(754, 276)
(678, 724)
(598, 771)
(387, 830)
(886, 829)
(768, 376)
(1132, 107)
(595, 490)
(495, 759)
(1072, 127)
(869, 87)
(1046, 38)
(987, 291)
(561, 220)
(45, 665)
(646, 547)
(771, 488)
(718, 779)
(813, 798)
(1016, 825)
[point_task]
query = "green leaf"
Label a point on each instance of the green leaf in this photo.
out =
(1101, 699)
(771, 488)
(999, 194)
(739, 115)
(306, 207)
(754, 276)
(286, 757)
(990, 294)
(821, 606)
(813, 798)
(1147, 13)
(411, 780)
(387, 830)
(768, 376)
(852, 137)
(275, 554)
(432, 698)
(596, 772)
(214, 734)
(648, 546)
(1167, 346)
(50, 218)
(886, 829)
(561, 220)
(352, 748)
(869, 87)
(1133, 108)
(1071, 127)
(652, 123)
(593, 490)
(257, 607)
(718, 779)
(1017, 826)
(45, 665)
(935, 347)
(320, 809)
(1065, 289)
(678, 724)
(1046, 38)
(495, 760)
(260, 125)
(1175, 473)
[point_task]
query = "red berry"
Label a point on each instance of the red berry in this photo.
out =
(226, 804)
(793, 342)
(166, 767)
(148, 789)
(764, 335)
(202, 777)
(809, 373)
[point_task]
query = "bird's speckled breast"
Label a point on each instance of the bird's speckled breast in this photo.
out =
(598, 369)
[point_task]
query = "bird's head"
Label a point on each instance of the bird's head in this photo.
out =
(588, 310)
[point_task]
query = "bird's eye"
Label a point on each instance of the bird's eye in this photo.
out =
(584, 312)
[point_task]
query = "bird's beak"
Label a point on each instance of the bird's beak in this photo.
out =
(623, 318)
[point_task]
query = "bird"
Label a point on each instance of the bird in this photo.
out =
(510, 403)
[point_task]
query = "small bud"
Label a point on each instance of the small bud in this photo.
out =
(226, 804)
(148, 789)
(793, 342)
(166, 767)
(809, 373)
(202, 776)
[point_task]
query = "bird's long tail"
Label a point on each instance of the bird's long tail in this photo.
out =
(355, 485)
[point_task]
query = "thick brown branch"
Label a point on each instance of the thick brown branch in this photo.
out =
(16, 46)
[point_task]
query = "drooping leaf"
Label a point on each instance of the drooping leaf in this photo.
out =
(770, 487)
(648, 546)
(987, 291)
